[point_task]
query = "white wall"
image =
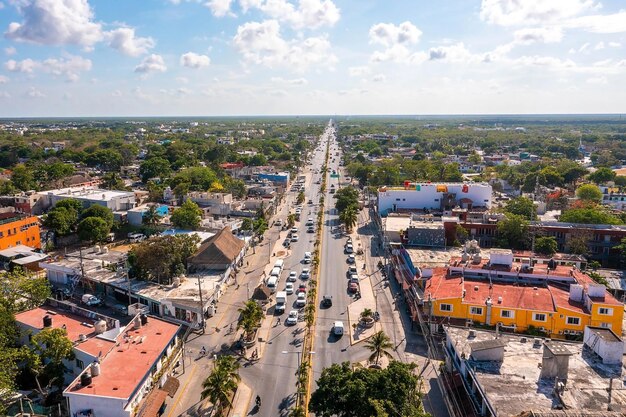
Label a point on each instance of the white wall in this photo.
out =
(429, 198)
(101, 406)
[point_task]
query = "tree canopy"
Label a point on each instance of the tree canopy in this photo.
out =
(589, 192)
(162, 258)
(187, 216)
(522, 206)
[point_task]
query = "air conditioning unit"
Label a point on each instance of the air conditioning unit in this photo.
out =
(543, 329)
(561, 331)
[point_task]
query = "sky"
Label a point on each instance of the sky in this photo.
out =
(295, 57)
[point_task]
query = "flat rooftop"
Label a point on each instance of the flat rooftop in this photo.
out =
(89, 193)
(432, 257)
(130, 361)
(514, 386)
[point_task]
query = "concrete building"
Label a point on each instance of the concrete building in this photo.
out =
(129, 376)
(275, 177)
(605, 343)
(19, 229)
(221, 252)
(513, 375)
(433, 196)
(114, 200)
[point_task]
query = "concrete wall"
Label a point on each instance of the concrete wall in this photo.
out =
(101, 406)
(428, 196)
(611, 352)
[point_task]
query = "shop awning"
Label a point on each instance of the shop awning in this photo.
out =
(152, 404)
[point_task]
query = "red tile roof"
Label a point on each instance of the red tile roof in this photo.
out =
(561, 300)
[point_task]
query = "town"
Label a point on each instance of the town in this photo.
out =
(287, 267)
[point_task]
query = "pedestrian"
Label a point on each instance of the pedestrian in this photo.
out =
(247, 263)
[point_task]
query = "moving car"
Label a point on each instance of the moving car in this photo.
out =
(301, 288)
(301, 300)
(327, 301)
(294, 237)
(292, 318)
(292, 276)
(338, 328)
(306, 273)
(311, 229)
(289, 288)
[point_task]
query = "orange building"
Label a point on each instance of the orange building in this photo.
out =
(19, 229)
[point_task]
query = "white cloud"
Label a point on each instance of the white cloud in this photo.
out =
(182, 80)
(529, 36)
(358, 71)
(379, 78)
(600, 45)
(152, 63)
(70, 67)
(193, 60)
(124, 40)
(3, 79)
(611, 23)
(4, 94)
(310, 14)
(34, 93)
(294, 81)
(220, 8)
(116, 93)
(614, 44)
(388, 34)
(26, 66)
(9, 50)
(55, 22)
(530, 12)
(261, 43)
(452, 53)
(278, 93)
(597, 80)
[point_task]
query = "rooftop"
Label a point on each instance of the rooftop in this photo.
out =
(88, 193)
(130, 361)
(514, 385)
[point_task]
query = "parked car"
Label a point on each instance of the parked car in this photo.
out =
(353, 287)
(351, 270)
(294, 237)
(311, 229)
(292, 276)
(292, 318)
(349, 248)
(294, 230)
(351, 259)
(302, 288)
(90, 300)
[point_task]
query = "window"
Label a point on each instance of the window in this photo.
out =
(80, 364)
(605, 325)
(539, 317)
(605, 311)
(476, 310)
(574, 321)
(445, 307)
(507, 314)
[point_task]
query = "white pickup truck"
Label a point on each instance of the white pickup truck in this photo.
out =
(281, 302)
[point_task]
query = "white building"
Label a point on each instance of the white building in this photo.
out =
(128, 377)
(115, 200)
(434, 196)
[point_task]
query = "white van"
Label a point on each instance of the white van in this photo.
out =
(275, 272)
(279, 264)
(271, 284)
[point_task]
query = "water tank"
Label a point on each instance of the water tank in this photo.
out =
(97, 248)
(47, 321)
(137, 322)
(100, 326)
(85, 379)
(176, 282)
(105, 250)
(477, 258)
(144, 319)
(95, 368)
(82, 337)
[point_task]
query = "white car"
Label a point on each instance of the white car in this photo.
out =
(298, 211)
(292, 318)
(289, 288)
(306, 273)
(294, 237)
(294, 230)
(351, 259)
(301, 301)
(292, 276)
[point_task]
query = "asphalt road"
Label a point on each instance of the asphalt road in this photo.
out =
(273, 378)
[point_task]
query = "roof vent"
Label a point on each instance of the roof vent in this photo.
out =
(535, 288)
(475, 287)
(523, 340)
(472, 333)
(536, 343)
(500, 300)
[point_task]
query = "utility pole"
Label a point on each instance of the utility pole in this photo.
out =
(201, 304)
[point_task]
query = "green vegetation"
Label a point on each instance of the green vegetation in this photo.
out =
(361, 392)
(162, 258)
(187, 216)
(379, 344)
(513, 231)
(589, 192)
(522, 206)
(546, 245)
(220, 386)
(250, 316)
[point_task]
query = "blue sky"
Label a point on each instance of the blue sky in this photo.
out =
(248, 57)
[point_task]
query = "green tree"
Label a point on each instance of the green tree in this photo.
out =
(51, 347)
(392, 391)
(112, 181)
(61, 220)
(19, 292)
(522, 206)
(156, 167)
(246, 224)
(106, 159)
(589, 215)
(379, 344)
(513, 231)
(93, 229)
(546, 245)
(348, 217)
(346, 197)
(602, 175)
(151, 216)
(258, 160)
(99, 211)
(161, 258)
(221, 383)
(589, 192)
(187, 217)
(23, 178)
(250, 316)
(70, 204)
(300, 198)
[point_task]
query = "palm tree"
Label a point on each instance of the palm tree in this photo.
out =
(151, 216)
(250, 316)
(348, 217)
(291, 219)
(221, 383)
(378, 345)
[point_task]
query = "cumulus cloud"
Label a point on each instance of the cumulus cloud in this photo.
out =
(9, 50)
(358, 71)
(124, 40)
(55, 22)
(379, 78)
(261, 43)
(388, 34)
(34, 93)
(597, 80)
(310, 14)
(530, 12)
(69, 67)
(220, 8)
(195, 61)
(529, 36)
(610, 23)
(3, 79)
(152, 63)
(294, 81)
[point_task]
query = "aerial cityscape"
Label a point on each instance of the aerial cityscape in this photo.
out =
(290, 208)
